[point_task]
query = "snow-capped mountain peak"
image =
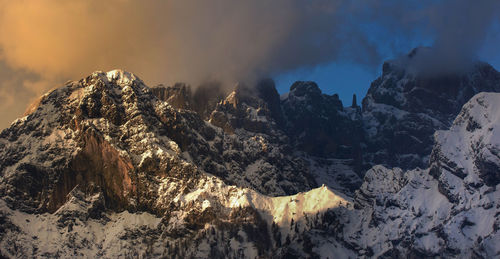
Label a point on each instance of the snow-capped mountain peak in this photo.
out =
(108, 167)
(470, 148)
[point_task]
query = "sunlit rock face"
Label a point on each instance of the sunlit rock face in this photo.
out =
(93, 135)
(202, 99)
(105, 151)
(109, 133)
(179, 95)
(404, 107)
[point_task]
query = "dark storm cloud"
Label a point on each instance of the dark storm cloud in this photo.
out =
(461, 26)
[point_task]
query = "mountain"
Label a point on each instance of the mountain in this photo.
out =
(405, 106)
(104, 153)
(108, 167)
(109, 129)
(450, 209)
(320, 125)
(328, 147)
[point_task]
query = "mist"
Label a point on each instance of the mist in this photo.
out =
(43, 43)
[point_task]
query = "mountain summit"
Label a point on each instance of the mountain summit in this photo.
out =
(403, 107)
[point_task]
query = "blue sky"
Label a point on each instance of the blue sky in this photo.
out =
(347, 78)
(344, 78)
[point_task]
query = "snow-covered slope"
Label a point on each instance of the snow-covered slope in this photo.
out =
(451, 209)
(212, 219)
(471, 148)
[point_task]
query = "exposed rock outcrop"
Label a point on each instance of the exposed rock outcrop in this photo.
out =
(109, 133)
(319, 124)
(403, 108)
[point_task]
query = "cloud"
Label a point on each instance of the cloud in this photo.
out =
(17, 89)
(462, 25)
(194, 40)
(167, 40)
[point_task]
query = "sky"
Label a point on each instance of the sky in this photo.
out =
(347, 78)
(342, 78)
(340, 44)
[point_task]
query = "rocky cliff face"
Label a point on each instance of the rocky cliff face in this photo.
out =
(315, 123)
(178, 96)
(323, 136)
(202, 100)
(108, 132)
(319, 125)
(404, 107)
(468, 152)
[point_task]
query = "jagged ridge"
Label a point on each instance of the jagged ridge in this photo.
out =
(114, 147)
